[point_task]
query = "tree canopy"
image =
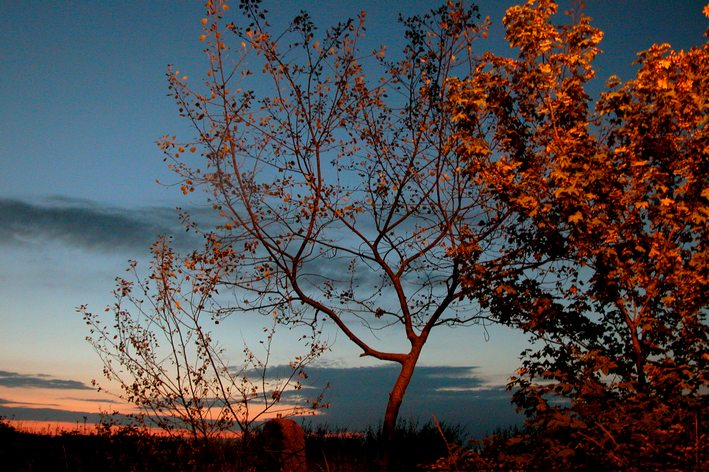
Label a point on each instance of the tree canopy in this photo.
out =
(611, 234)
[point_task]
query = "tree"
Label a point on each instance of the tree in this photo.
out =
(341, 196)
(610, 234)
(158, 348)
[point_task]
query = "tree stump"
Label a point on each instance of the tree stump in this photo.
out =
(285, 445)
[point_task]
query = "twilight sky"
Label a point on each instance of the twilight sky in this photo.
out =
(82, 102)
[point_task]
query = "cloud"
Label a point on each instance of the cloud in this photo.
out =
(48, 414)
(357, 396)
(91, 400)
(86, 224)
(4, 403)
(15, 380)
(455, 395)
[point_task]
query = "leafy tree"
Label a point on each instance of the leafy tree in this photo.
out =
(341, 194)
(606, 259)
(157, 347)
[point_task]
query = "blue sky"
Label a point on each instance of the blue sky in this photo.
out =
(84, 98)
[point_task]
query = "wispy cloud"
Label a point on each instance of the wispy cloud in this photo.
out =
(4, 402)
(16, 380)
(47, 414)
(86, 224)
(92, 400)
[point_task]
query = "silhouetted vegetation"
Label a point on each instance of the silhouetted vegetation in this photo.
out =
(413, 447)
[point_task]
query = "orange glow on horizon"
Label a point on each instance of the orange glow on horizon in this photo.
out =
(54, 428)
(80, 403)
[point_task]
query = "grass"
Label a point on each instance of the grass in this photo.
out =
(129, 449)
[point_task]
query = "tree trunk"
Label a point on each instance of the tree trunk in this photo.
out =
(396, 396)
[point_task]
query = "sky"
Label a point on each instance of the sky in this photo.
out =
(83, 98)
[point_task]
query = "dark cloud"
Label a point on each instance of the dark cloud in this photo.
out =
(86, 224)
(91, 400)
(455, 395)
(48, 414)
(15, 380)
(4, 402)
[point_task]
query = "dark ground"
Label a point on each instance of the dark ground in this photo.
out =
(415, 448)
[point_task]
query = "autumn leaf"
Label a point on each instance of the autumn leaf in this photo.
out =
(576, 217)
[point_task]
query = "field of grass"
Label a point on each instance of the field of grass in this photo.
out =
(129, 449)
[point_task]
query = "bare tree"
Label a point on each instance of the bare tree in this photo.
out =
(341, 193)
(157, 347)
